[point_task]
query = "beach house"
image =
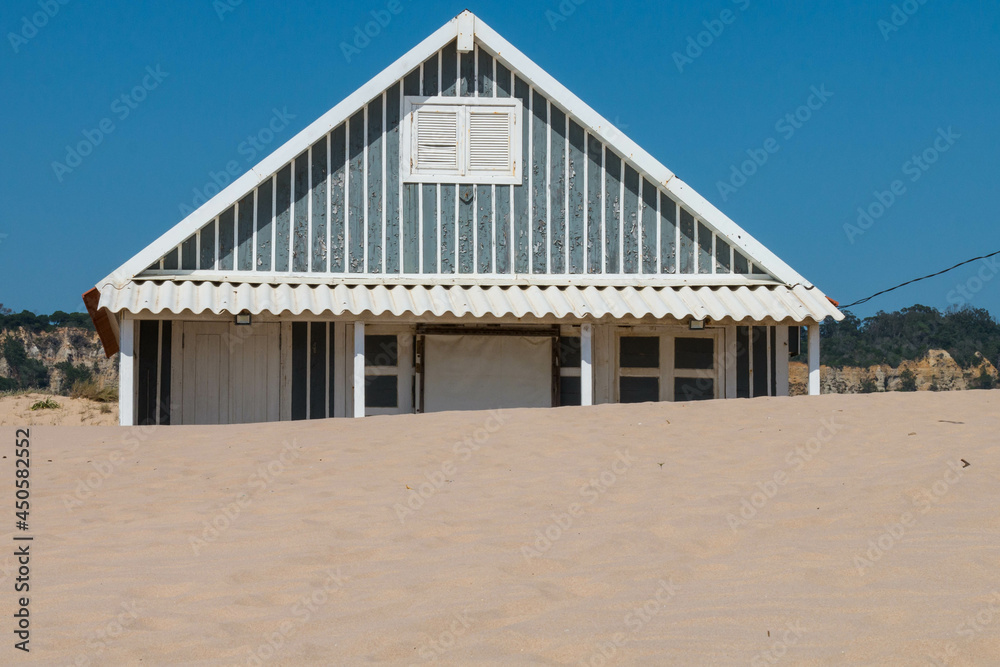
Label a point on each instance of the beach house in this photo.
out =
(462, 232)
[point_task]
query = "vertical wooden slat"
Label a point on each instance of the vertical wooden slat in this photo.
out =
(630, 222)
(320, 235)
(430, 230)
(484, 207)
(743, 362)
(374, 189)
(577, 185)
(467, 83)
(244, 230)
(448, 227)
(723, 256)
(411, 197)
(522, 215)
(207, 260)
(166, 371)
(504, 87)
(430, 87)
(338, 190)
(265, 195)
(189, 254)
(595, 255)
(687, 242)
(226, 239)
(317, 371)
(557, 191)
(331, 370)
(612, 211)
(300, 214)
(668, 235)
(146, 362)
(392, 153)
(539, 182)
(283, 219)
(485, 83)
(760, 365)
(466, 228)
(300, 387)
(704, 248)
(449, 70)
(649, 223)
(356, 193)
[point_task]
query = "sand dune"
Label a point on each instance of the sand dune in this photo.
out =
(804, 531)
(15, 410)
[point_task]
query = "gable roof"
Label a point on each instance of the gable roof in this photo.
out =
(486, 38)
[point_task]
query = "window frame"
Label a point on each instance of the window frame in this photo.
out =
(667, 372)
(463, 175)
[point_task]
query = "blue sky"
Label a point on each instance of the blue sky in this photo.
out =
(704, 87)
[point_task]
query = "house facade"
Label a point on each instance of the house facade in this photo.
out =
(461, 233)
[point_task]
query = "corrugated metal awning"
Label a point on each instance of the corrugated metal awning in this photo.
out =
(738, 303)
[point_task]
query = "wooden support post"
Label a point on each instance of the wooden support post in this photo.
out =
(586, 364)
(126, 372)
(359, 369)
(814, 384)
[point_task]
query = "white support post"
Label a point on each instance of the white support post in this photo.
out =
(359, 369)
(814, 384)
(126, 372)
(586, 364)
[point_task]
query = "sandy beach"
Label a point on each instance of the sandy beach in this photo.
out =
(807, 531)
(15, 410)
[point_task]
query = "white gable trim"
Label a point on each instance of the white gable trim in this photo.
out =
(493, 43)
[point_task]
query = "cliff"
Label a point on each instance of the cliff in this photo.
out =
(78, 346)
(935, 372)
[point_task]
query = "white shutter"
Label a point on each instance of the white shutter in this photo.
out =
(437, 140)
(489, 140)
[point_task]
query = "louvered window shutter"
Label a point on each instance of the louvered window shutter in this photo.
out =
(437, 140)
(489, 141)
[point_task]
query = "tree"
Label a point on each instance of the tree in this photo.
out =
(26, 373)
(907, 380)
(984, 381)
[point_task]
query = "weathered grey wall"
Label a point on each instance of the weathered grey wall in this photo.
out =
(340, 207)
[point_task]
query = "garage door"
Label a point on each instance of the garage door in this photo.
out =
(487, 372)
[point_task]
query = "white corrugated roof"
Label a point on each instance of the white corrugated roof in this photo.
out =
(744, 302)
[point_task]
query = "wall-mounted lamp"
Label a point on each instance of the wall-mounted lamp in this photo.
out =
(243, 320)
(697, 325)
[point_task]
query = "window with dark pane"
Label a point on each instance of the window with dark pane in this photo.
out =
(381, 351)
(639, 352)
(697, 353)
(694, 389)
(569, 352)
(381, 391)
(569, 390)
(638, 390)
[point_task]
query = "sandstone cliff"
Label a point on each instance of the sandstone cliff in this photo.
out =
(935, 372)
(77, 346)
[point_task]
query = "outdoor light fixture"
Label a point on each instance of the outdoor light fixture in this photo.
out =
(243, 319)
(697, 325)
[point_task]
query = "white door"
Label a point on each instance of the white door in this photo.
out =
(231, 374)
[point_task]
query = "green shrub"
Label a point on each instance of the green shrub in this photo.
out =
(908, 381)
(73, 374)
(984, 381)
(26, 373)
(47, 404)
